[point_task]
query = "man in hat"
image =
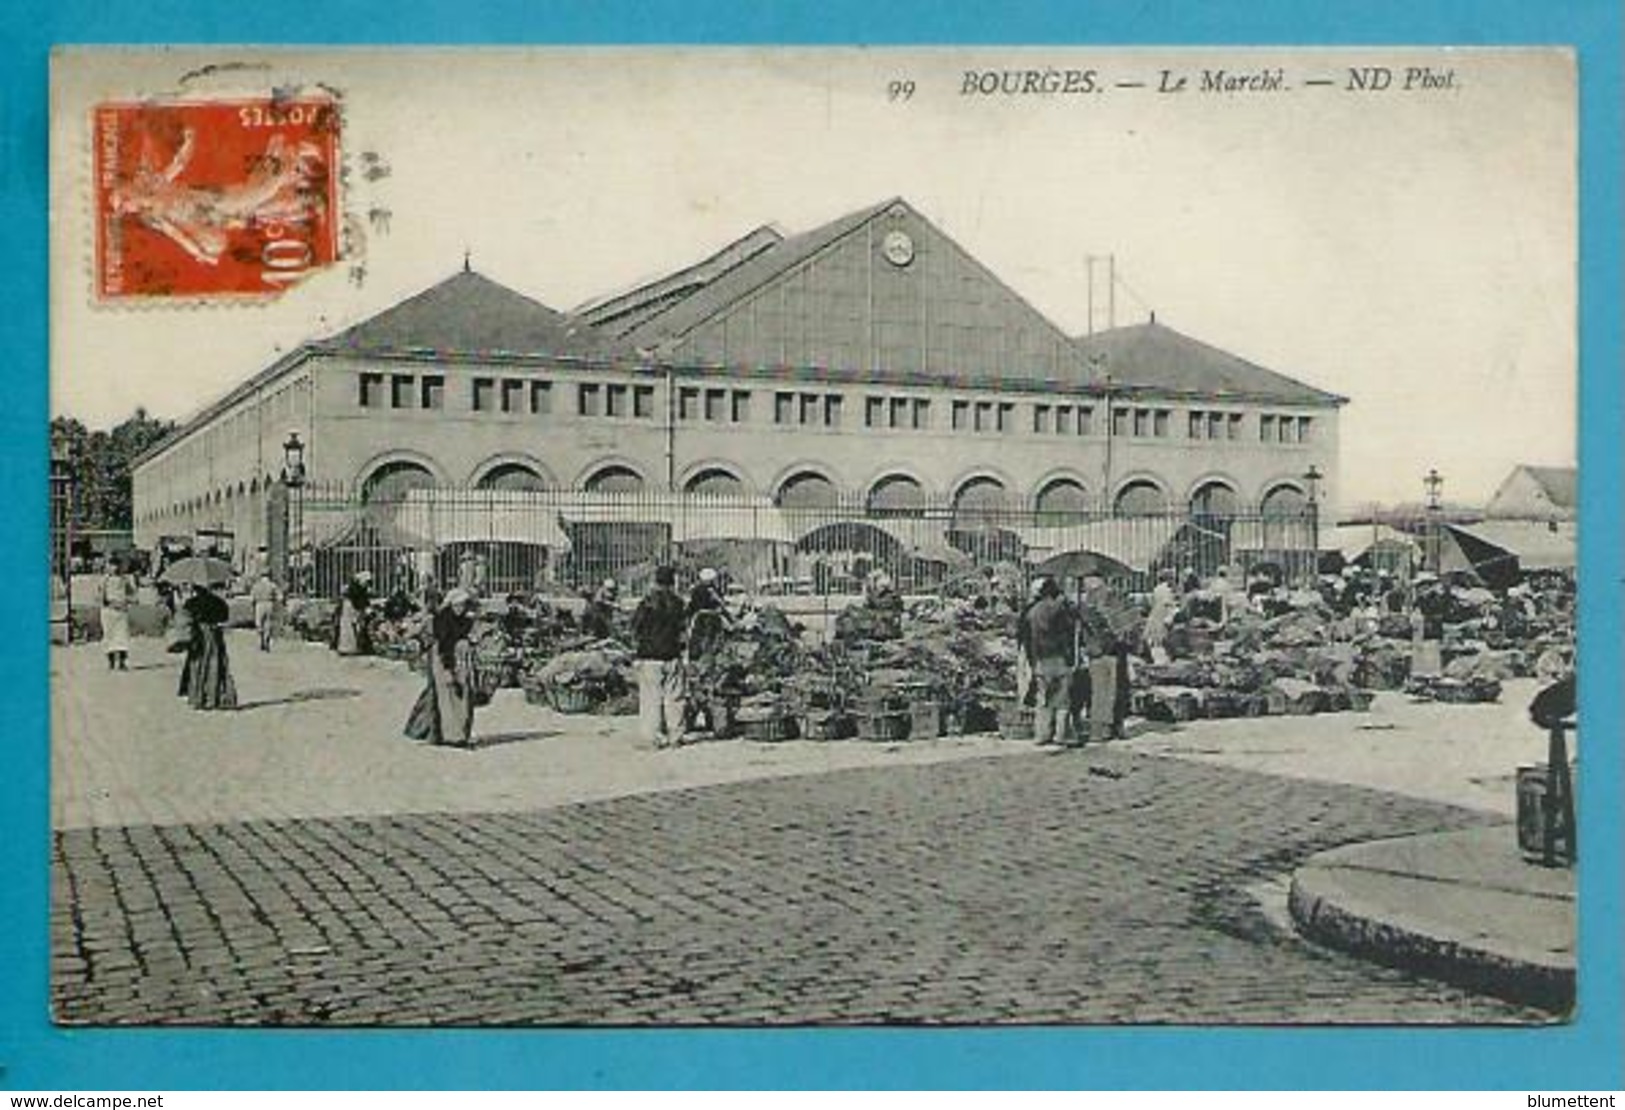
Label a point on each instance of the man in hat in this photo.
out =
(1051, 644)
(657, 632)
(264, 595)
(1026, 691)
(1107, 654)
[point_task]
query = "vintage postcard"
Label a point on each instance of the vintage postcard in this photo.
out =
(806, 537)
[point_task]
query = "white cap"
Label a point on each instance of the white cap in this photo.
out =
(707, 575)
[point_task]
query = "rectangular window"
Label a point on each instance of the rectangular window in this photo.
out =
(1120, 422)
(513, 395)
(688, 403)
(1041, 420)
(1283, 429)
(741, 406)
(1234, 420)
(1215, 425)
(1266, 429)
(1086, 420)
(984, 416)
(832, 410)
(784, 408)
(1063, 420)
(1159, 423)
(716, 402)
(484, 394)
(874, 412)
(809, 408)
(643, 402)
(615, 397)
(1007, 416)
(432, 391)
(371, 394)
(899, 413)
(1142, 423)
(541, 398)
(922, 413)
(961, 415)
(1303, 429)
(1198, 425)
(400, 391)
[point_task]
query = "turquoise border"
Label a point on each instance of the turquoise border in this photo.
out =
(1585, 1055)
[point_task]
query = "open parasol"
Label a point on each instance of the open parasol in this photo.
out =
(197, 570)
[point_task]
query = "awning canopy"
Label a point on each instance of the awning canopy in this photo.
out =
(543, 517)
(1135, 542)
(440, 517)
(1353, 541)
(1497, 552)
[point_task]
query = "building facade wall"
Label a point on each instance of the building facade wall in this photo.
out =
(763, 431)
(215, 476)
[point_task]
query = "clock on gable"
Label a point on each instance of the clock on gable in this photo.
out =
(898, 248)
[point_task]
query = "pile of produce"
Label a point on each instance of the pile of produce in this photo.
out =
(594, 676)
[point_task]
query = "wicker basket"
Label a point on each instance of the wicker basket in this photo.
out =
(573, 699)
(925, 720)
(769, 730)
(1016, 723)
(824, 726)
(883, 726)
(536, 694)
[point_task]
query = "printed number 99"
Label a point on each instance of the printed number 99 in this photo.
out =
(900, 90)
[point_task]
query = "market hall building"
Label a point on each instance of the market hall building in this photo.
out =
(871, 363)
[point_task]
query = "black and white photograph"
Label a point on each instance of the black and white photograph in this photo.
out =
(735, 537)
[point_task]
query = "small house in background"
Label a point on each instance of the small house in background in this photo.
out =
(1536, 493)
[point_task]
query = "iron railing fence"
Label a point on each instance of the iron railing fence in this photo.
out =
(567, 541)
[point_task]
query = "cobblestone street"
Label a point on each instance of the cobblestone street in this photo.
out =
(1093, 888)
(298, 862)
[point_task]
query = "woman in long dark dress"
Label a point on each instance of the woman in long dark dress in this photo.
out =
(207, 681)
(444, 713)
(352, 633)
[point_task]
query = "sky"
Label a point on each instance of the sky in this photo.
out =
(1413, 251)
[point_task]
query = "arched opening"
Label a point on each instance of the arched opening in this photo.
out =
(614, 479)
(1284, 502)
(1140, 498)
(980, 503)
(715, 482)
(1062, 501)
(897, 495)
(512, 476)
(807, 490)
(1214, 501)
(391, 482)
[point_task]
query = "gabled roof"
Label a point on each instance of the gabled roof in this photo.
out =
(753, 273)
(619, 313)
(1157, 358)
(470, 314)
(1560, 484)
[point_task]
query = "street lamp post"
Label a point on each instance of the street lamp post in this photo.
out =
(283, 523)
(1433, 482)
(1311, 480)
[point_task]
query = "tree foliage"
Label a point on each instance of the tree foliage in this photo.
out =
(101, 464)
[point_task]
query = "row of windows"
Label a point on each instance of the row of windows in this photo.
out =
(733, 406)
(814, 410)
(715, 406)
(1283, 429)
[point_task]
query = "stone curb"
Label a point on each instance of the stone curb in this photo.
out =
(1326, 913)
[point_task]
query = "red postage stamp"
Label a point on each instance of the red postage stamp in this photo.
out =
(214, 198)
